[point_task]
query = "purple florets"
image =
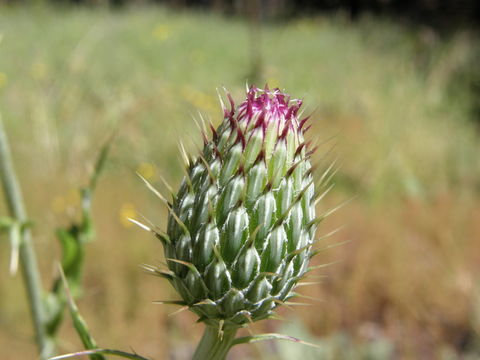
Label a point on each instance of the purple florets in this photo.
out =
(264, 106)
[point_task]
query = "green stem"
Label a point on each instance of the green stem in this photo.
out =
(212, 346)
(28, 260)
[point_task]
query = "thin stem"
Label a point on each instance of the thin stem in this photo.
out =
(28, 260)
(214, 345)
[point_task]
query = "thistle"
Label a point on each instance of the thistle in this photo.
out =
(241, 227)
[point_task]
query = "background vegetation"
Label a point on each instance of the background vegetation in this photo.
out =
(399, 102)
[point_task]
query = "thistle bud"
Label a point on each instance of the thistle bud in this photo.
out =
(241, 226)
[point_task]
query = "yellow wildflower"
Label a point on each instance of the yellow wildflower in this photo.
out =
(147, 170)
(127, 211)
(73, 197)
(200, 99)
(161, 32)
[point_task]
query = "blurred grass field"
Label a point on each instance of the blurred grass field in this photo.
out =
(396, 101)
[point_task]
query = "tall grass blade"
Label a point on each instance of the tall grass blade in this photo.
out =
(269, 336)
(117, 353)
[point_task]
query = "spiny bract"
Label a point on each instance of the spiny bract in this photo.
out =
(241, 227)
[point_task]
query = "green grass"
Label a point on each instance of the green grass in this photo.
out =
(389, 95)
(384, 89)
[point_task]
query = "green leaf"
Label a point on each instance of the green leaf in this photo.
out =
(72, 240)
(70, 250)
(100, 163)
(86, 231)
(79, 323)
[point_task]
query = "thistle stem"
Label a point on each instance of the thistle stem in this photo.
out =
(28, 260)
(214, 345)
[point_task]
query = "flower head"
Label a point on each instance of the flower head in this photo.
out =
(241, 226)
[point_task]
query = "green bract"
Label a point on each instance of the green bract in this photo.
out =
(241, 226)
